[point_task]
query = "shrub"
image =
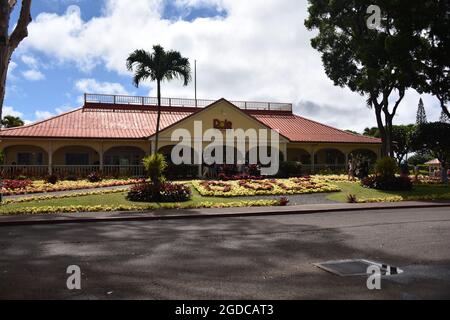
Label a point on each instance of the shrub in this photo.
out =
(253, 170)
(16, 184)
(22, 177)
(283, 201)
(172, 192)
(52, 179)
(183, 171)
(290, 169)
(141, 192)
(165, 192)
(94, 177)
(71, 177)
(386, 167)
(385, 183)
(351, 198)
(155, 165)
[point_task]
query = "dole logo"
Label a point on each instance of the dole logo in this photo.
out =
(223, 125)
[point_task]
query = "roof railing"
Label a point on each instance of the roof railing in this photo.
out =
(99, 99)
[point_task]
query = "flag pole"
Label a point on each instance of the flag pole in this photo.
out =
(195, 82)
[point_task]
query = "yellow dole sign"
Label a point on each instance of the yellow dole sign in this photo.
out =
(223, 125)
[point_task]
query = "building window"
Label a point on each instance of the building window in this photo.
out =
(77, 159)
(30, 159)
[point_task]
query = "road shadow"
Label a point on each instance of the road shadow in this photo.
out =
(237, 258)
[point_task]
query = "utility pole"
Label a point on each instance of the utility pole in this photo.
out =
(195, 82)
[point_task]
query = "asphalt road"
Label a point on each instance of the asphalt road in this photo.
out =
(238, 258)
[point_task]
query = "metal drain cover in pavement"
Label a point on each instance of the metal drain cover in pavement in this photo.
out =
(356, 267)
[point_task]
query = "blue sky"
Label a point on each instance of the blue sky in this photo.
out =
(246, 50)
(38, 86)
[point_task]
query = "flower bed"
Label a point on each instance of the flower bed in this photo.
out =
(136, 208)
(256, 185)
(18, 187)
(426, 180)
(333, 178)
(63, 196)
(216, 186)
(263, 187)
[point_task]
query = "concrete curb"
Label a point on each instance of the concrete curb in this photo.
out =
(193, 214)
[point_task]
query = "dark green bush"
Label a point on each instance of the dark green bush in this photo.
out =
(52, 179)
(71, 177)
(290, 169)
(165, 192)
(94, 177)
(156, 166)
(389, 184)
(386, 167)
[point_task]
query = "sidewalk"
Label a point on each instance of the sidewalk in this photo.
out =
(206, 213)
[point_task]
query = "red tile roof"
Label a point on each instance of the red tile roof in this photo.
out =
(98, 123)
(125, 123)
(299, 129)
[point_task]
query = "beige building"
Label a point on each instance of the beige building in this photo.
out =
(112, 134)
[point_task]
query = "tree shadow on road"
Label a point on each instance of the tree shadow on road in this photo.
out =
(239, 258)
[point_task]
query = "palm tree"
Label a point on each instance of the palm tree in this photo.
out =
(11, 122)
(158, 66)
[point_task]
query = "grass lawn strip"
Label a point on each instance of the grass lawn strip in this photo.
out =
(422, 192)
(116, 202)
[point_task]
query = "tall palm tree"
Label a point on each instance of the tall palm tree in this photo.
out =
(158, 66)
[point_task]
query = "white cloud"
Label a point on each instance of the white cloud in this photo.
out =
(42, 115)
(259, 51)
(30, 61)
(33, 75)
(93, 86)
(12, 67)
(9, 111)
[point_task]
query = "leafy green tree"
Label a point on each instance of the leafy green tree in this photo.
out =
(417, 159)
(432, 23)
(372, 132)
(10, 41)
(444, 117)
(379, 64)
(158, 66)
(351, 131)
(421, 116)
(434, 138)
(402, 141)
(11, 122)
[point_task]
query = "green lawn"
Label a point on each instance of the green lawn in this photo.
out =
(360, 192)
(113, 199)
(118, 199)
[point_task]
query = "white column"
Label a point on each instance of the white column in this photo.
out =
(50, 158)
(284, 151)
(101, 156)
(313, 160)
(152, 147)
(346, 159)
